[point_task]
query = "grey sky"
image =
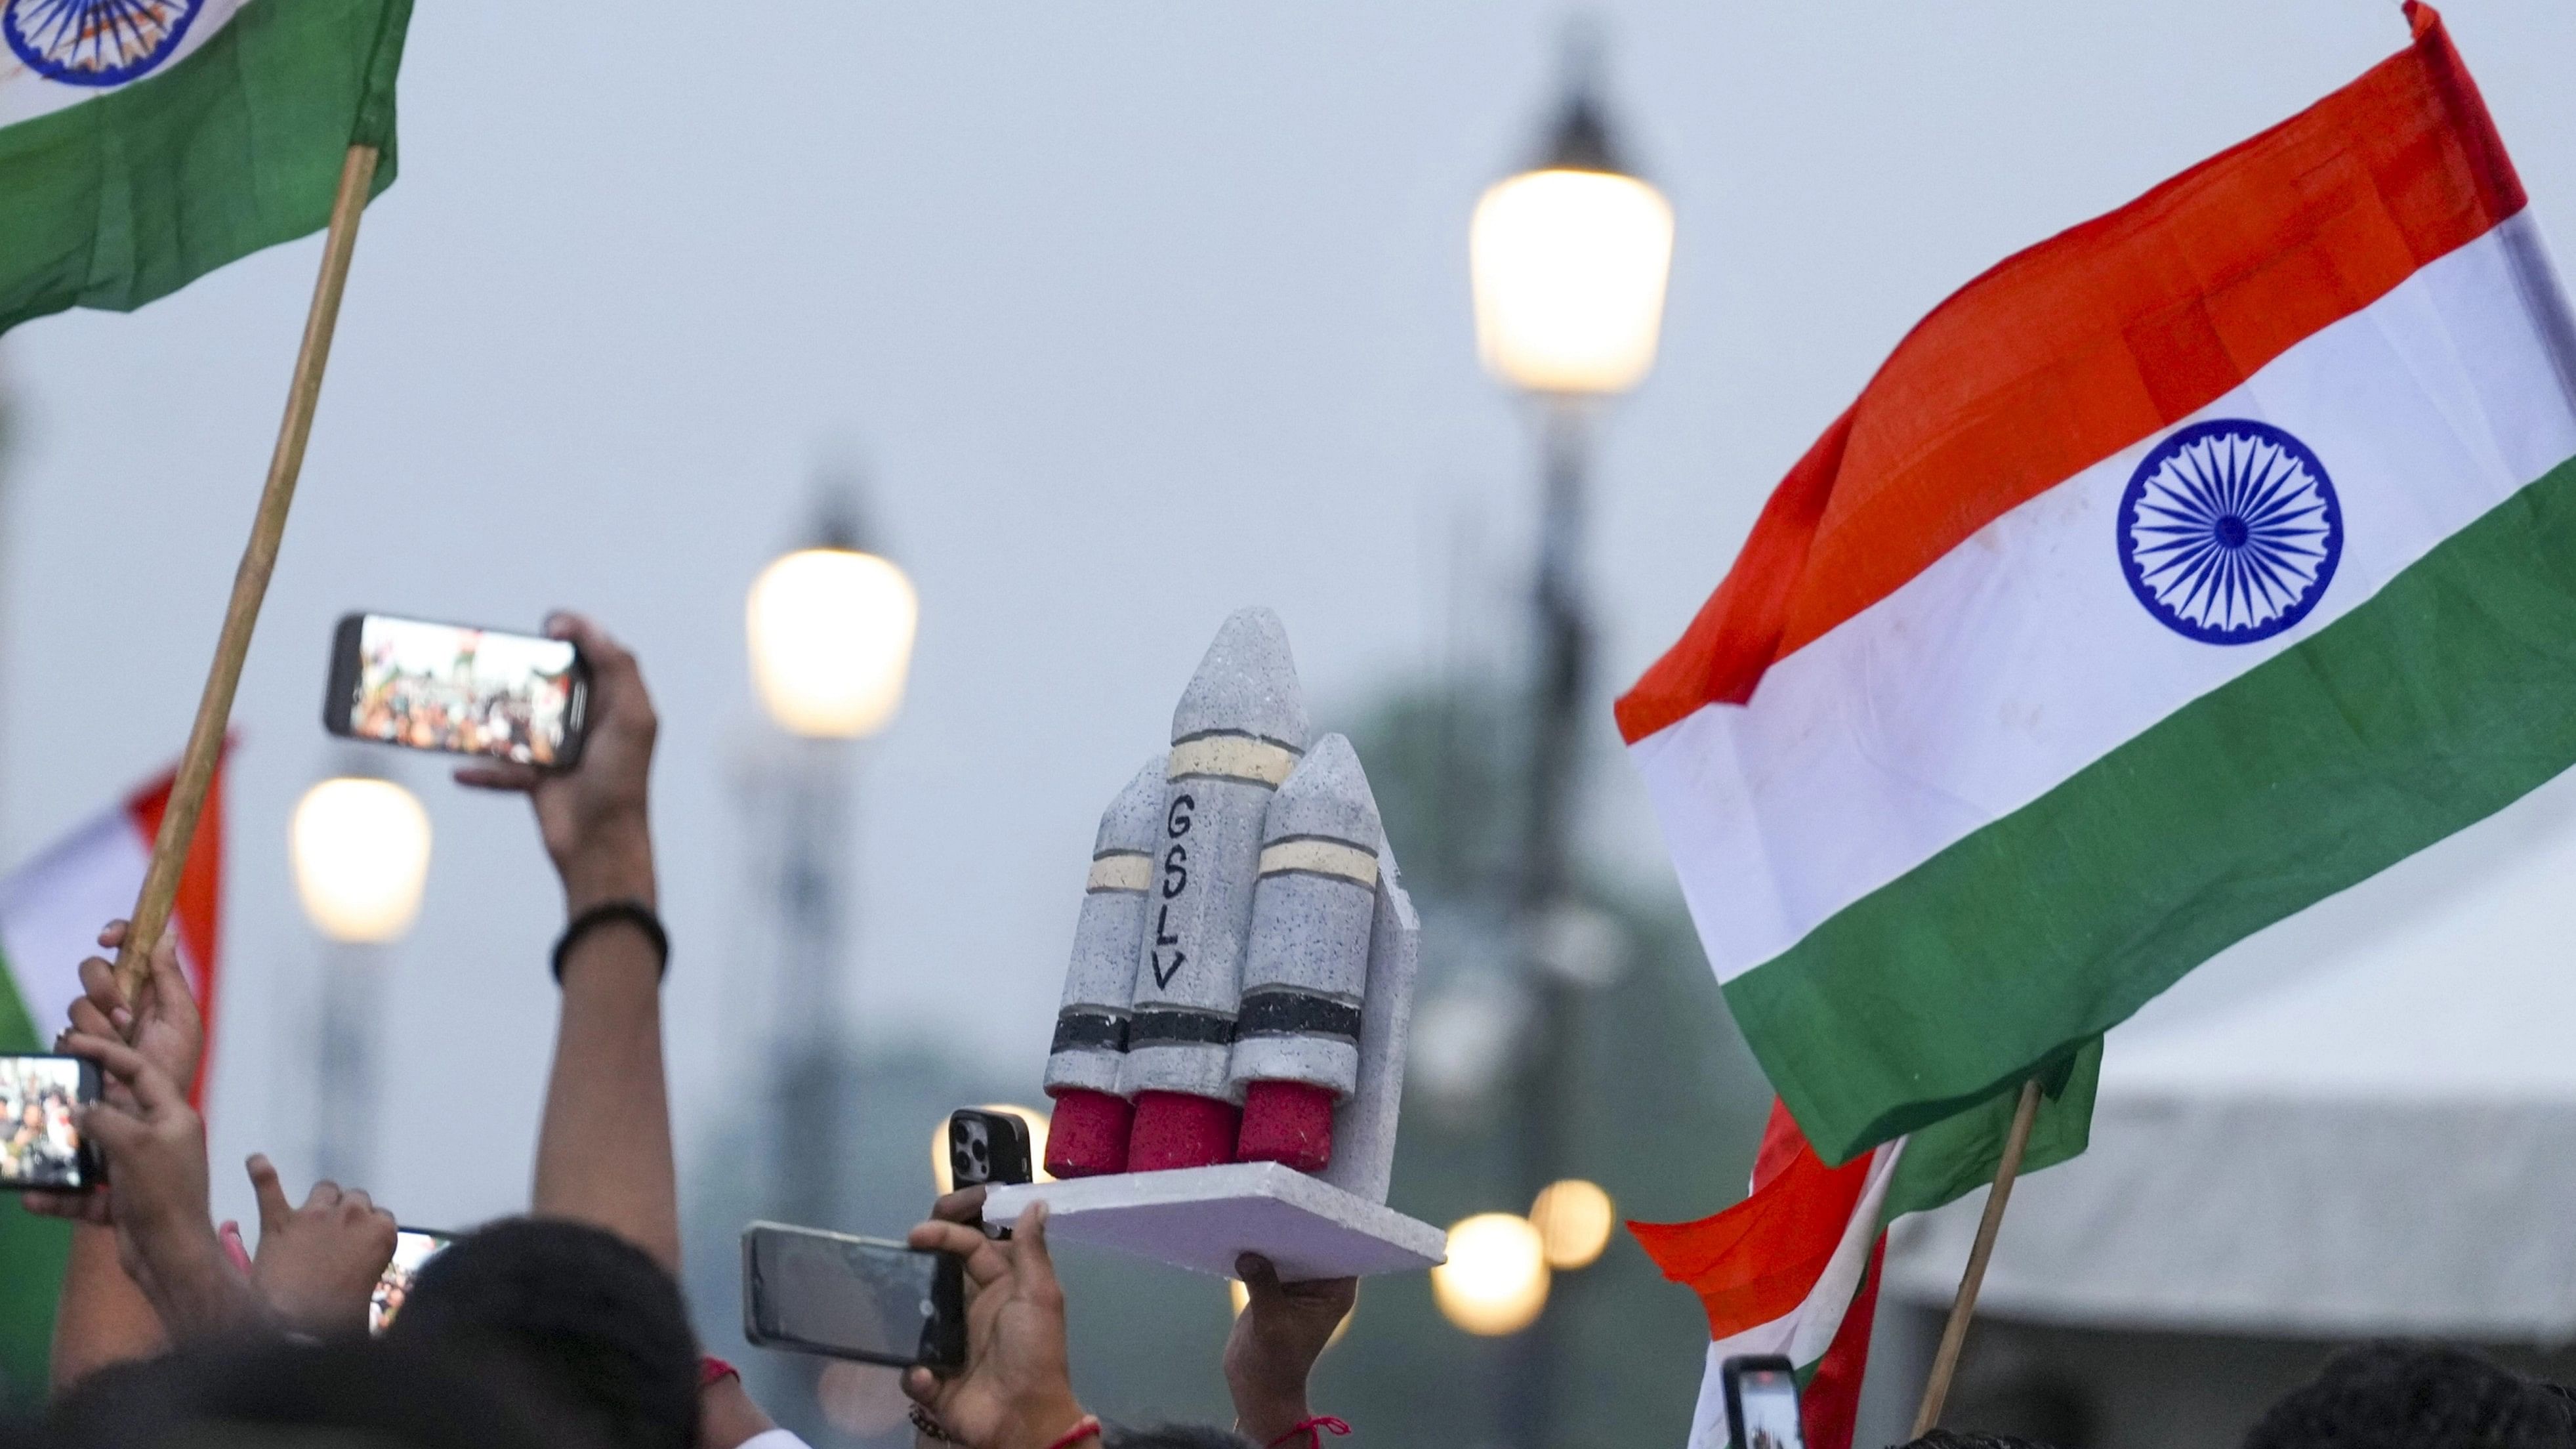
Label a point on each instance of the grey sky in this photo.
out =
(1132, 313)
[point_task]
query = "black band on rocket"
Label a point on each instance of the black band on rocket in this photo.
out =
(1178, 1026)
(1296, 1013)
(1076, 1029)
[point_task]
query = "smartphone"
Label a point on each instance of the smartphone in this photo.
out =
(425, 686)
(987, 1147)
(40, 1140)
(857, 1298)
(1761, 1403)
(413, 1247)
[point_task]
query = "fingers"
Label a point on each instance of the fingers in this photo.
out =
(1259, 1278)
(984, 1264)
(99, 989)
(89, 1021)
(325, 1193)
(112, 935)
(616, 681)
(1035, 1267)
(965, 1205)
(151, 1086)
(171, 993)
(506, 778)
(271, 1194)
(235, 1252)
(921, 1386)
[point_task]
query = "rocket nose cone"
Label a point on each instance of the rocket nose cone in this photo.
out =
(1328, 795)
(1132, 819)
(1246, 681)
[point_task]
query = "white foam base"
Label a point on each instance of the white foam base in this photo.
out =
(1202, 1218)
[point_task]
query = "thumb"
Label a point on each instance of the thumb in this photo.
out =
(1259, 1278)
(274, 1210)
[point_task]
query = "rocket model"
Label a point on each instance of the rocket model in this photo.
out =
(1306, 964)
(1237, 734)
(1091, 1120)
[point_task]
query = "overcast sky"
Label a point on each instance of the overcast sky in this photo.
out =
(1131, 314)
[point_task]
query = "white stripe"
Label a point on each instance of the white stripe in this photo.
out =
(1805, 1332)
(1121, 870)
(2021, 656)
(26, 93)
(51, 909)
(1323, 857)
(1239, 757)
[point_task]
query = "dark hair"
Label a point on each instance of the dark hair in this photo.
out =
(1955, 1439)
(352, 1391)
(574, 1313)
(1172, 1436)
(2415, 1396)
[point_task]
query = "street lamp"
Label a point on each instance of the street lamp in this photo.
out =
(360, 848)
(1574, 1219)
(1494, 1281)
(831, 641)
(1569, 261)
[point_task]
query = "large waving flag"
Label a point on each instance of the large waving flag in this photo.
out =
(144, 143)
(50, 912)
(2175, 574)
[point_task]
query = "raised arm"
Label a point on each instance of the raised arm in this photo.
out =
(604, 1144)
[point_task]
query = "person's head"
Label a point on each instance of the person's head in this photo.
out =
(350, 1392)
(579, 1314)
(2415, 1396)
(1970, 1439)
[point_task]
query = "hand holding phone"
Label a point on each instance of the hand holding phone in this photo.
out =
(413, 1248)
(850, 1297)
(1761, 1402)
(515, 697)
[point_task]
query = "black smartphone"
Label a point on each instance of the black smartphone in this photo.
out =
(413, 1248)
(987, 1147)
(41, 1149)
(856, 1298)
(1761, 1403)
(465, 691)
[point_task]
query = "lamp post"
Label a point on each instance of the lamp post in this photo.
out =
(360, 848)
(830, 629)
(1569, 262)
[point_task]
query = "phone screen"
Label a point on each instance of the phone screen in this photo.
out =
(852, 1297)
(467, 691)
(412, 1248)
(1769, 1399)
(40, 1142)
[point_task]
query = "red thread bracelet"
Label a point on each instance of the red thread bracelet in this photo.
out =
(1086, 1427)
(712, 1369)
(1314, 1429)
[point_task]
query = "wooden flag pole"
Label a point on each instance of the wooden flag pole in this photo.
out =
(250, 581)
(1955, 1332)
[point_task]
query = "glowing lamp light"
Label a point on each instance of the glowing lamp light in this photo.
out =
(1496, 1279)
(831, 641)
(1569, 268)
(361, 856)
(1574, 1219)
(946, 1180)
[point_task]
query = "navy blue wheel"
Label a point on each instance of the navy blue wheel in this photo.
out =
(2230, 531)
(95, 42)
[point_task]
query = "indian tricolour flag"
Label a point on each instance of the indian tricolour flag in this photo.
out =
(144, 143)
(2173, 575)
(51, 909)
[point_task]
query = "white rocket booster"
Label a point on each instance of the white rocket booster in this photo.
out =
(1306, 965)
(1091, 1120)
(1238, 732)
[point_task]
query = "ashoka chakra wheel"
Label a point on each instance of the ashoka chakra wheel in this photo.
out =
(95, 42)
(2229, 531)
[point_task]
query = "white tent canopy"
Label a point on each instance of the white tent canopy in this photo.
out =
(2361, 1121)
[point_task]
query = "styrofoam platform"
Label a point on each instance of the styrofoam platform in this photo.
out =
(1202, 1218)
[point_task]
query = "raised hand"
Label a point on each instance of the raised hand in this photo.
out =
(162, 1024)
(593, 816)
(1016, 1391)
(317, 1265)
(1283, 1329)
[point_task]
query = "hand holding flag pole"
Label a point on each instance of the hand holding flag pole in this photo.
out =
(250, 582)
(1954, 1334)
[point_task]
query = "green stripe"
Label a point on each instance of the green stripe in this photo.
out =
(129, 197)
(32, 1249)
(2441, 700)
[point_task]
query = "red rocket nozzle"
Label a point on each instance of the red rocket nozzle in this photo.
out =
(1175, 1129)
(1289, 1122)
(1087, 1134)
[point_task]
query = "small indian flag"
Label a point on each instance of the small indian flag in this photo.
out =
(144, 143)
(50, 911)
(2175, 574)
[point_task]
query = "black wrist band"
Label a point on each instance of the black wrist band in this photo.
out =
(632, 913)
